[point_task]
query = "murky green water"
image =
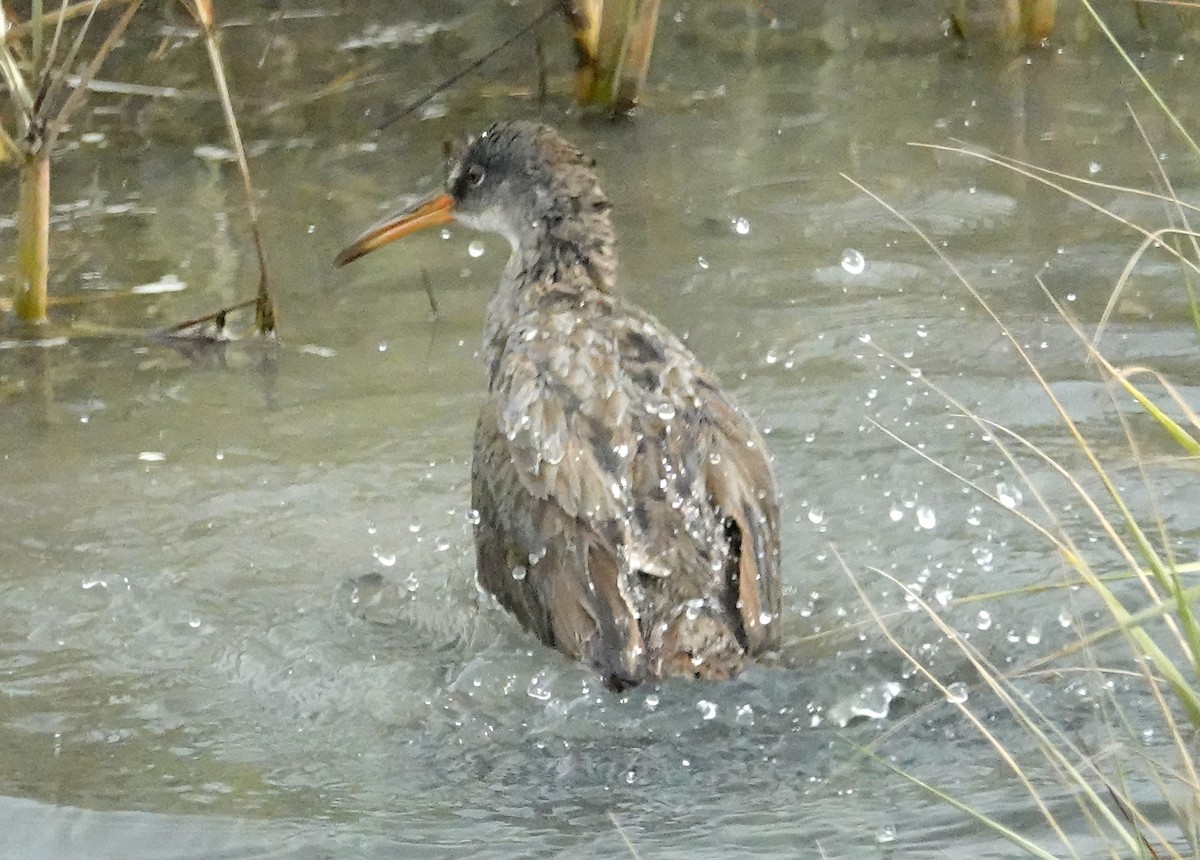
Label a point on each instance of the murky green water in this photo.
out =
(237, 613)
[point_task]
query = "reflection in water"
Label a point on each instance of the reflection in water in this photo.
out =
(217, 630)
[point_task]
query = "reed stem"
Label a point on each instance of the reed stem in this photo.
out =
(33, 240)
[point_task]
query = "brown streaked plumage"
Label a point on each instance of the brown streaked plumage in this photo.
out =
(628, 514)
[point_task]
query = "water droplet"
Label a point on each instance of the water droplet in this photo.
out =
(864, 337)
(943, 595)
(630, 776)
(815, 516)
(983, 556)
(707, 709)
(984, 620)
(715, 458)
(1093, 168)
(473, 516)
(957, 693)
(973, 515)
(1010, 497)
(1034, 636)
(886, 834)
(693, 608)
(415, 525)
(387, 559)
(651, 702)
(152, 456)
(926, 518)
(765, 618)
(411, 583)
(1064, 618)
(702, 263)
(742, 226)
(745, 715)
(538, 689)
(518, 572)
(896, 514)
(664, 409)
(853, 261)
(1013, 636)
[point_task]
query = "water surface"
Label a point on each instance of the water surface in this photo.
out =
(238, 612)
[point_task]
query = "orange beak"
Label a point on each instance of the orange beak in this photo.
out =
(433, 211)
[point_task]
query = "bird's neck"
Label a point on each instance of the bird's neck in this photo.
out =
(555, 262)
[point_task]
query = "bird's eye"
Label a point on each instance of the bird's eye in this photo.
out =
(475, 175)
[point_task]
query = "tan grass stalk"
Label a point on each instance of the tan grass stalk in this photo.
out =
(33, 240)
(75, 10)
(1188, 696)
(264, 308)
(1149, 87)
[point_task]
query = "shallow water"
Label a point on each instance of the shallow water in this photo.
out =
(238, 615)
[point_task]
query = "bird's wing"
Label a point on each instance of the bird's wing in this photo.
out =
(742, 485)
(604, 450)
(548, 567)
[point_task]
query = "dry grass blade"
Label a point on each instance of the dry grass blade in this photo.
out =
(75, 10)
(1188, 696)
(1152, 240)
(210, 327)
(58, 31)
(1051, 742)
(18, 90)
(468, 69)
(1003, 751)
(1149, 87)
(264, 312)
(621, 830)
(1044, 177)
(1182, 437)
(1029, 847)
(1180, 210)
(1167, 577)
(79, 93)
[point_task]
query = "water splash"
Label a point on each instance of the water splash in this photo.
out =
(873, 702)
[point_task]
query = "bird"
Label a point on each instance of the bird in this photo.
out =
(625, 510)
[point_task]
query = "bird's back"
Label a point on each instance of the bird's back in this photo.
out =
(628, 511)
